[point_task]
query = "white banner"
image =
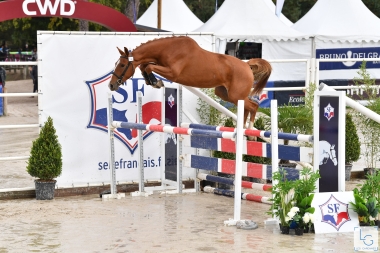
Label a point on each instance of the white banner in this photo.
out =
(74, 72)
(333, 212)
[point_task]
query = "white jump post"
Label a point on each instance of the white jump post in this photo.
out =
(114, 194)
(239, 155)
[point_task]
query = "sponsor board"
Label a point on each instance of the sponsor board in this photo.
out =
(333, 213)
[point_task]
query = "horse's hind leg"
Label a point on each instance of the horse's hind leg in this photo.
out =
(222, 92)
(251, 106)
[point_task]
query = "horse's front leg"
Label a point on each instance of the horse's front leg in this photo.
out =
(162, 71)
(148, 80)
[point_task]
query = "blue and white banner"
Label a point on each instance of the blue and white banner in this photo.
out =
(348, 53)
(74, 73)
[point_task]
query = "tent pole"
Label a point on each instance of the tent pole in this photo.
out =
(159, 11)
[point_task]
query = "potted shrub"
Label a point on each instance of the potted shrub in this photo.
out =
(291, 201)
(352, 145)
(282, 196)
(366, 207)
(370, 130)
(45, 161)
(303, 196)
(370, 191)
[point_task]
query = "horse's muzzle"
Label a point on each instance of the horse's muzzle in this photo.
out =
(113, 86)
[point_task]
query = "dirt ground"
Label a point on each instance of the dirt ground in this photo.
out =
(17, 142)
(158, 223)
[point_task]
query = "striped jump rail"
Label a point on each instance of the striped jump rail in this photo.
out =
(174, 130)
(251, 132)
(253, 148)
(245, 196)
(256, 170)
(231, 181)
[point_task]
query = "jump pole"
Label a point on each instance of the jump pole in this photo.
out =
(114, 194)
(238, 165)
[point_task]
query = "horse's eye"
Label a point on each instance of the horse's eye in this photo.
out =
(122, 65)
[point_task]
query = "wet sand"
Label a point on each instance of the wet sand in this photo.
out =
(158, 223)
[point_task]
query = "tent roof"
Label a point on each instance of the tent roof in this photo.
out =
(175, 17)
(249, 20)
(282, 17)
(340, 20)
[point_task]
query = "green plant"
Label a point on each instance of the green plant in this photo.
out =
(282, 196)
(366, 208)
(208, 114)
(291, 200)
(370, 130)
(370, 189)
(45, 161)
(303, 194)
(352, 141)
(294, 118)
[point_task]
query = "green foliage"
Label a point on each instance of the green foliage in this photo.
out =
(296, 9)
(45, 161)
(294, 118)
(290, 195)
(369, 128)
(352, 141)
(366, 206)
(282, 198)
(370, 191)
(373, 6)
(306, 184)
(203, 9)
(208, 114)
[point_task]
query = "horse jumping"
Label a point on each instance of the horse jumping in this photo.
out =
(180, 59)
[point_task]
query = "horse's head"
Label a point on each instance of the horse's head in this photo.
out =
(123, 70)
(333, 155)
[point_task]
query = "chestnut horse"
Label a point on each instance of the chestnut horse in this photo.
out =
(182, 60)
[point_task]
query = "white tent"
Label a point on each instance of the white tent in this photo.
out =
(282, 17)
(175, 17)
(340, 20)
(249, 20)
(343, 29)
(255, 21)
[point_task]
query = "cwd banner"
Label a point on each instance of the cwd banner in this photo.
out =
(74, 70)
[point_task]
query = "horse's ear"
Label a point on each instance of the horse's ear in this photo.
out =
(126, 51)
(121, 52)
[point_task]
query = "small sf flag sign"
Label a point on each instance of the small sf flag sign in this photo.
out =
(333, 213)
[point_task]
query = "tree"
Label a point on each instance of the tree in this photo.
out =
(132, 9)
(203, 9)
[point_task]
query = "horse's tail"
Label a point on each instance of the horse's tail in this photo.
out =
(261, 70)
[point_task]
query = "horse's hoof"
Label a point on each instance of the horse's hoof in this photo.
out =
(159, 84)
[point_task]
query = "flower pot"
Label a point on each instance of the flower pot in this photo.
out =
(45, 189)
(284, 229)
(306, 230)
(377, 223)
(299, 231)
(348, 172)
(311, 229)
(364, 224)
(369, 171)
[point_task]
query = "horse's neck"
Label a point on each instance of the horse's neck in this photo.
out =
(143, 54)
